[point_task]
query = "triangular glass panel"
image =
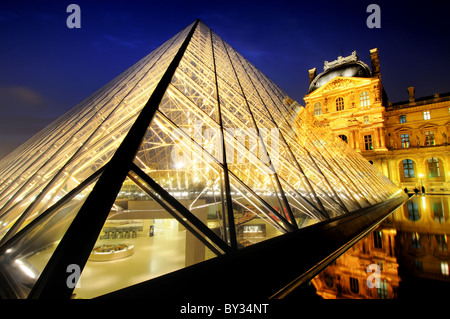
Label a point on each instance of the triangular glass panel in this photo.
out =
(254, 219)
(140, 240)
(256, 175)
(87, 140)
(25, 256)
(186, 170)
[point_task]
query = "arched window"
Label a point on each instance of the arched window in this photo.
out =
(408, 168)
(434, 167)
(317, 108)
(339, 104)
(344, 138)
(364, 98)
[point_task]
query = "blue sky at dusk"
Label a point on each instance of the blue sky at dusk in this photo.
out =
(47, 68)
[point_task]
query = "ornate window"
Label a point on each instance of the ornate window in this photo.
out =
(433, 167)
(402, 119)
(366, 120)
(317, 108)
(377, 239)
(364, 98)
(368, 142)
(408, 168)
(429, 138)
(426, 115)
(339, 104)
(354, 285)
(405, 140)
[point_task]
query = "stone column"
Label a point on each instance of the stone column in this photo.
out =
(356, 138)
(376, 138)
(382, 138)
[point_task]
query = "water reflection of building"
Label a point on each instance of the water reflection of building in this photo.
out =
(347, 277)
(410, 247)
(422, 237)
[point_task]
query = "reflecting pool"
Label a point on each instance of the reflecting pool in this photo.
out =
(405, 257)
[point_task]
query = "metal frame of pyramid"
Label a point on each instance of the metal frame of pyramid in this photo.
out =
(192, 124)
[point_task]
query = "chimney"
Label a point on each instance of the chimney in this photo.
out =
(375, 60)
(411, 94)
(312, 75)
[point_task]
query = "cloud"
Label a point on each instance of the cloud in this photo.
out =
(20, 99)
(15, 130)
(107, 41)
(122, 42)
(21, 116)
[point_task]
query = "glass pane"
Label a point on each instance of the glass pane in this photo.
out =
(27, 254)
(84, 140)
(185, 169)
(255, 221)
(140, 240)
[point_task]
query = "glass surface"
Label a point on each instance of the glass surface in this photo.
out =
(409, 250)
(24, 257)
(140, 240)
(186, 170)
(83, 142)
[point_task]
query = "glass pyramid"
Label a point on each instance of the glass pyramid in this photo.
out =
(189, 154)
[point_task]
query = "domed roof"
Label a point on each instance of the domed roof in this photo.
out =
(349, 67)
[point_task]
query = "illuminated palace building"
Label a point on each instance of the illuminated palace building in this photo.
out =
(193, 157)
(407, 141)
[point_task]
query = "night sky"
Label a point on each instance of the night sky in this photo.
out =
(47, 68)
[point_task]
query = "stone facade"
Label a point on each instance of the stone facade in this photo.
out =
(407, 141)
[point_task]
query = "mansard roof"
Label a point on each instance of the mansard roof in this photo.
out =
(348, 66)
